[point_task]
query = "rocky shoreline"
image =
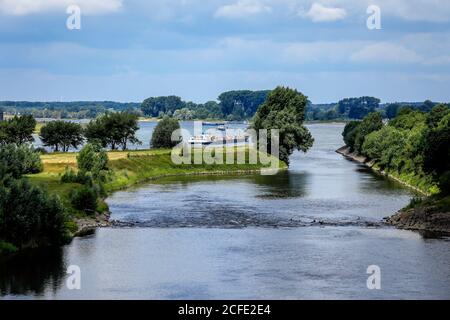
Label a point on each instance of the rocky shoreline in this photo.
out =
(424, 218)
(88, 225)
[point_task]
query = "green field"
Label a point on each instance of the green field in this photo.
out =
(127, 168)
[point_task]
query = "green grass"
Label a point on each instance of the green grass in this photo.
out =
(126, 168)
(422, 182)
(139, 167)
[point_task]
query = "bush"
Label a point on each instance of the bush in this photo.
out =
(29, 216)
(18, 160)
(69, 176)
(92, 159)
(162, 135)
(84, 198)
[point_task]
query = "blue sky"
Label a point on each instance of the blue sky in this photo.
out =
(128, 50)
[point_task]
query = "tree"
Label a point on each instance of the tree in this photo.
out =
(29, 216)
(386, 146)
(18, 130)
(436, 114)
(16, 161)
(154, 105)
(349, 134)
(408, 118)
(437, 153)
(114, 130)
(358, 108)
(162, 135)
(392, 110)
(237, 105)
(284, 110)
(183, 114)
(62, 134)
(96, 132)
(92, 159)
(427, 106)
(372, 122)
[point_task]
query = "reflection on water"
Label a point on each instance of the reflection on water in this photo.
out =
(32, 272)
(310, 232)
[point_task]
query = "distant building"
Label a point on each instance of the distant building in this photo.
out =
(1, 115)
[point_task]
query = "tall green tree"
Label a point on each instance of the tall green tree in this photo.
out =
(154, 105)
(114, 130)
(372, 122)
(241, 104)
(16, 161)
(29, 216)
(437, 153)
(358, 108)
(17, 130)
(284, 110)
(61, 135)
(349, 134)
(162, 135)
(92, 159)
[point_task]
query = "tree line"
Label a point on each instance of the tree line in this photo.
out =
(414, 145)
(67, 110)
(234, 105)
(113, 130)
(358, 108)
(231, 105)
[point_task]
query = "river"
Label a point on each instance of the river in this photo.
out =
(308, 233)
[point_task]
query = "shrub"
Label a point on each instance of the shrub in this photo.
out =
(69, 176)
(162, 135)
(29, 216)
(92, 159)
(84, 198)
(18, 160)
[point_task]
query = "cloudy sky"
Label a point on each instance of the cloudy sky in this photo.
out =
(128, 50)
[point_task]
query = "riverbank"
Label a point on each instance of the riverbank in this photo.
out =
(345, 151)
(431, 214)
(126, 168)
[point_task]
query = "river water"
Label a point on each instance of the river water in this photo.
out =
(308, 233)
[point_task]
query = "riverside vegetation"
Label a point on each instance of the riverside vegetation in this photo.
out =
(414, 148)
(46, 199)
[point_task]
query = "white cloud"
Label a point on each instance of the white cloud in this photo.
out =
(242, 9)
(320, 13)
(25, 7)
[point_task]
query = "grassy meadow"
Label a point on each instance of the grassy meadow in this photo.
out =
(127, 168)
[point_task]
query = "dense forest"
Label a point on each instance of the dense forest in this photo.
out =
(414, 145)
(232, 106)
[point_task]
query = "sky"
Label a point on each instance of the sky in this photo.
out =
(128, 50)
